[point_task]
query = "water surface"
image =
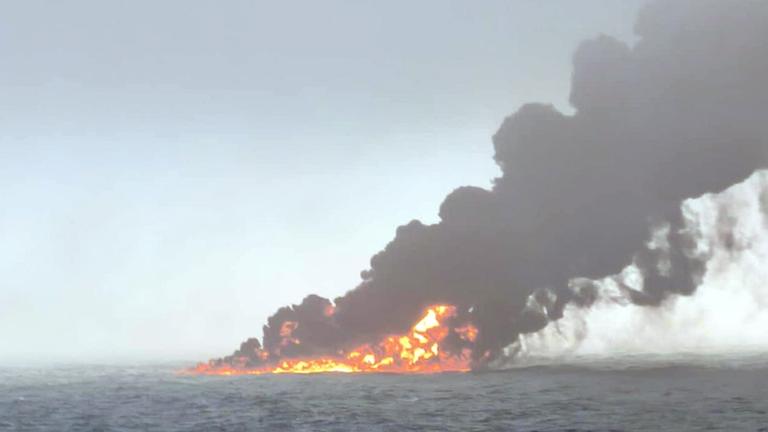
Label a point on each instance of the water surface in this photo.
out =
(611, 394)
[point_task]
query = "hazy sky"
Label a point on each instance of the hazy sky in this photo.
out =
(172, 172)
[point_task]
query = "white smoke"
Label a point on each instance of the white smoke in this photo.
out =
(727, 313)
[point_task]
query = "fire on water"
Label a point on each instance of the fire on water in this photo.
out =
(418, 351)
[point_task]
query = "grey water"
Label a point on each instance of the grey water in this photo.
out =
(621, 394)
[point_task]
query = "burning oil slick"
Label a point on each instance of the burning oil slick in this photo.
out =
(678, 115)
(432, 345)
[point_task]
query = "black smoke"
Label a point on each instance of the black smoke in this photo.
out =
(681, 113)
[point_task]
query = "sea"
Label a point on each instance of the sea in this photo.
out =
(662, 393)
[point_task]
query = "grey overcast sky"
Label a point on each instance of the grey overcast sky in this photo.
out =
(171, 172)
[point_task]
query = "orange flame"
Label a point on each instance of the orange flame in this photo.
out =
(329, 310)
(418, 351)
(467, 332)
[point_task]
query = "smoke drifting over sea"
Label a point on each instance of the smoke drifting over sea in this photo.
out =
(729, 311)
(592, 196)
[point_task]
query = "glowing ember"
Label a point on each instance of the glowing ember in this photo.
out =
(468, 332)
(329, 310)
(418, 351)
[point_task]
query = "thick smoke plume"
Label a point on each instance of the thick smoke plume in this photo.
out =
(581, 197)
(729, 312)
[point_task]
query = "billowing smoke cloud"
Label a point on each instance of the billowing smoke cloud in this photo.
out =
(728, 313)
(680, 114)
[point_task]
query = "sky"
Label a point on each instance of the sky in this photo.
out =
(173, 172)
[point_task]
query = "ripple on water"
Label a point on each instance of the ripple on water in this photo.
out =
(553, 397)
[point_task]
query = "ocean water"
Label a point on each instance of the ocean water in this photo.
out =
(632, 394)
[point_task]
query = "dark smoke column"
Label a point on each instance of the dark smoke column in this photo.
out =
(680, 114)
